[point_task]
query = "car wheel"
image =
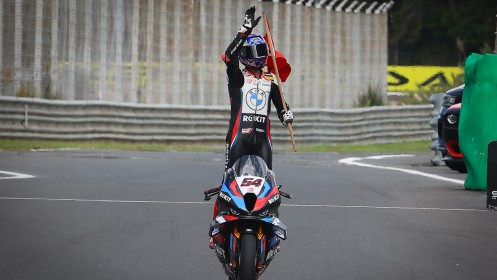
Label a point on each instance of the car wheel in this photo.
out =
(457, 166)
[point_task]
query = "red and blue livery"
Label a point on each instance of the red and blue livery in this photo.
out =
(247, 230)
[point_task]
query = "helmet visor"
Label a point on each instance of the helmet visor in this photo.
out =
(254, 51)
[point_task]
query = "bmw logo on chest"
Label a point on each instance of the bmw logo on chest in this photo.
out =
(256, 99)
(255, 96)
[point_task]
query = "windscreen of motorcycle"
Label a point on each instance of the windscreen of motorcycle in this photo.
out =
(250, 165)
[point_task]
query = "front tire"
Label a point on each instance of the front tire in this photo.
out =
(457, 166)
(247, 270)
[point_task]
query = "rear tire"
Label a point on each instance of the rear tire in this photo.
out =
(248, 257)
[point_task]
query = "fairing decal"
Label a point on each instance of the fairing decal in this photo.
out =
(262, 201)
(234, 189)
(265, 191)
(234, 194)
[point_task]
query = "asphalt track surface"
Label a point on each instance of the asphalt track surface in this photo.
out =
(141, 215)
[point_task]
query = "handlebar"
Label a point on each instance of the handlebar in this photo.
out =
(284, 194)
(211, 192)
(287, 195)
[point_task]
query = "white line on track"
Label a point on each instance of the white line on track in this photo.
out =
(13, 175)
(349, 161)
(354, 161)
(55, 149)
(203, 203)
(103, 200)
(384, 207)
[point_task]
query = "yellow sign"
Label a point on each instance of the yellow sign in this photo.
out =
(414, 78)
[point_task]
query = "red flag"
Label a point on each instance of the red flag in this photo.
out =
(284, 68)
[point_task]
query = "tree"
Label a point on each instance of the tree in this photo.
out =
(443, 32)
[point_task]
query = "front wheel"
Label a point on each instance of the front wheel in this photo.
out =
(247, 270)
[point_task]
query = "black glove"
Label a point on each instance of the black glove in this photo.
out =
(249, 23)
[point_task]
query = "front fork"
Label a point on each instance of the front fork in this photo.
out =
(263, 245)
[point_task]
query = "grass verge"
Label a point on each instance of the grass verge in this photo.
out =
(417, 146)
(27, 145)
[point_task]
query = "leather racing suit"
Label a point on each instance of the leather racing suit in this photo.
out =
(250, 99)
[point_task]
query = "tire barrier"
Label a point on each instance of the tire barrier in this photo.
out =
(85, 120)
(436, 100)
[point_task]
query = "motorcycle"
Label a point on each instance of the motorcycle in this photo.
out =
(247, 231)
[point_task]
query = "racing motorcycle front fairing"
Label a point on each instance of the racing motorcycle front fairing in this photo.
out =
(249, 188)
(249, 193)
(248, 204)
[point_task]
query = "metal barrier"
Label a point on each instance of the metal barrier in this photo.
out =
(169, 51)
(83, 120)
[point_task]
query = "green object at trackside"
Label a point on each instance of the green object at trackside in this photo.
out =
(478, 117)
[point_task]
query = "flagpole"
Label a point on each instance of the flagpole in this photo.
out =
(273, 55)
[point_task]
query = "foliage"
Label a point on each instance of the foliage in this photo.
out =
(443, 32)
(372, 97)
(417, 146)
(29, 90)
(26, 90)
(26, 145)
(50, 93)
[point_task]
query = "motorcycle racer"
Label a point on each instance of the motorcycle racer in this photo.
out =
(251, 91)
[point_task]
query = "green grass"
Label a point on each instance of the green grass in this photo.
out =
(419, 146)
(26, 145)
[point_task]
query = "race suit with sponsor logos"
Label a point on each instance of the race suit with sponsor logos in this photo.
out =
(250, 98)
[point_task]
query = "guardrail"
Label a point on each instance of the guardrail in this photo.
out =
(84, 120)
